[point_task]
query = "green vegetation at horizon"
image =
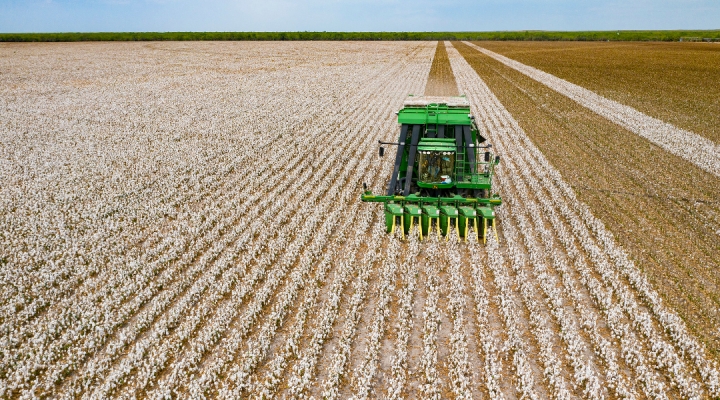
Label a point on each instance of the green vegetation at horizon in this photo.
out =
(674, 35)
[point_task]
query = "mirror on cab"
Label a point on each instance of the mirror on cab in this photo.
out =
(381, 151)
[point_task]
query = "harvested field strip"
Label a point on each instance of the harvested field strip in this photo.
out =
(675, 242)
(697, 149)
(673, 82)
(441, 81)
(618, 291)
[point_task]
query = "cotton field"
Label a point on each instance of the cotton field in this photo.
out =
(183, 220)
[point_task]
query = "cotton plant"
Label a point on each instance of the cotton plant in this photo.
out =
(491, 353)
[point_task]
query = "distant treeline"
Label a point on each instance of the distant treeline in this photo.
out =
(518, 35)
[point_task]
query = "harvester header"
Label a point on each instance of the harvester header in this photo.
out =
(442, 175)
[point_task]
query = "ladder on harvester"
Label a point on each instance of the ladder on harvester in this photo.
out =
(431, 120)
(461, 174)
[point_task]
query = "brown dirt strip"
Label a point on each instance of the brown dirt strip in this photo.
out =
(441, 81)
(674, 82)
(662, 209)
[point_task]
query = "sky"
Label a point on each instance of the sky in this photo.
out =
(354, 15)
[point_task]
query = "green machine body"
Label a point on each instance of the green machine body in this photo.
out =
(442, 176)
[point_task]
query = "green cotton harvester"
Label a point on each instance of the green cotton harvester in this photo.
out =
(442, 179)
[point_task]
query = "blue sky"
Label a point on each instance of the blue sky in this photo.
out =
(354, 15)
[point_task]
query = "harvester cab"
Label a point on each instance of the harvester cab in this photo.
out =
(442, 179)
